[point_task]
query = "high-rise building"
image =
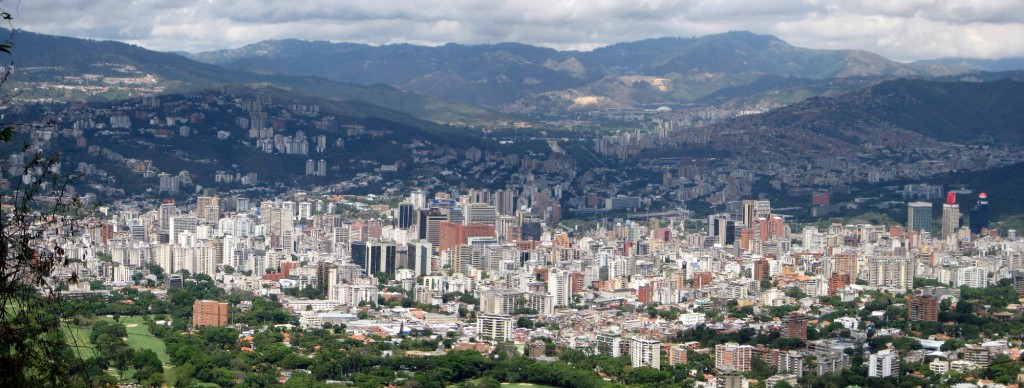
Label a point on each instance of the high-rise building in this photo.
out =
(208, 208)
(645, 353)
(677, 354)
(950, 215)
(645, 294)
(1018, 281)
(979, 216)
(761, 269)
(406, 216)
(608, 345)
(419, 255)
(493, 327)
(974, 277)
(892, 272)
(560, 287)
(919, 216)
(723, 227)
(429, 225)
(794, 325)
(885, 363)
(209, 313)
(924, 308)
(753, 210)
(836, 282)
(733, 356)
(846, 263)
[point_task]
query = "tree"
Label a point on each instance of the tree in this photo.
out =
(32, 233)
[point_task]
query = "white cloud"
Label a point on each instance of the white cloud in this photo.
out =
(898, 29)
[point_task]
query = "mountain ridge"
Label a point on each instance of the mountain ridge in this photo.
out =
(58, 57)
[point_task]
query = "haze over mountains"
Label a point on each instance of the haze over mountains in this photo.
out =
(507, 76)
(778, 99)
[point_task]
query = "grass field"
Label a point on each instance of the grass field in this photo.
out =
(78, 338)
(510, 385)
(138, 338)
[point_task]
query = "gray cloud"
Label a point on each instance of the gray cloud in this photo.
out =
(898, 29)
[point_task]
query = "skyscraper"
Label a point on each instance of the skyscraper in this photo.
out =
(950, 215)
(406, 215)
(979, 216)
(919, 216)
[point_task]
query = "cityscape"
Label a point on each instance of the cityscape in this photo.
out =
(719, 211)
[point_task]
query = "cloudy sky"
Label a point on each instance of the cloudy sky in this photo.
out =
(898, 29)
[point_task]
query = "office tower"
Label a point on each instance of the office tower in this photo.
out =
(406, 215)
(950, 215)
(430, 225)
(754, 209)
(979, 216)
(357, 252)
(418, 199)
(723, 227)
(479, 213)
(919, 216)
(420, 254)
(375, 256)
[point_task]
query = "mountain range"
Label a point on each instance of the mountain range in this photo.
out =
(816, 103)
(52, 59)
(511, 76)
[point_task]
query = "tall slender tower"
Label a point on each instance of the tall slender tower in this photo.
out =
(950, 215)
(979, 216)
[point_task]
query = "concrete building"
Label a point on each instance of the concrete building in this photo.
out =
(924, 308)
(494, 327)
(209, 313)
(645, 353)
(919, 216)
(733, 356)
(885, 363)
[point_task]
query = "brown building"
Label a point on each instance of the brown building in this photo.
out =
(794, 326)
(209, 313)
(645, 294)
(577, 281)
(677, 354)
(836, 282)
(701, 279)
(453, 234)
(924, 308)
(761, 269)
(847, 264)
(733, 356)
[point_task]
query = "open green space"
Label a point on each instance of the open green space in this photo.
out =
(138, 338)
(508, 385)
(78, 338)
